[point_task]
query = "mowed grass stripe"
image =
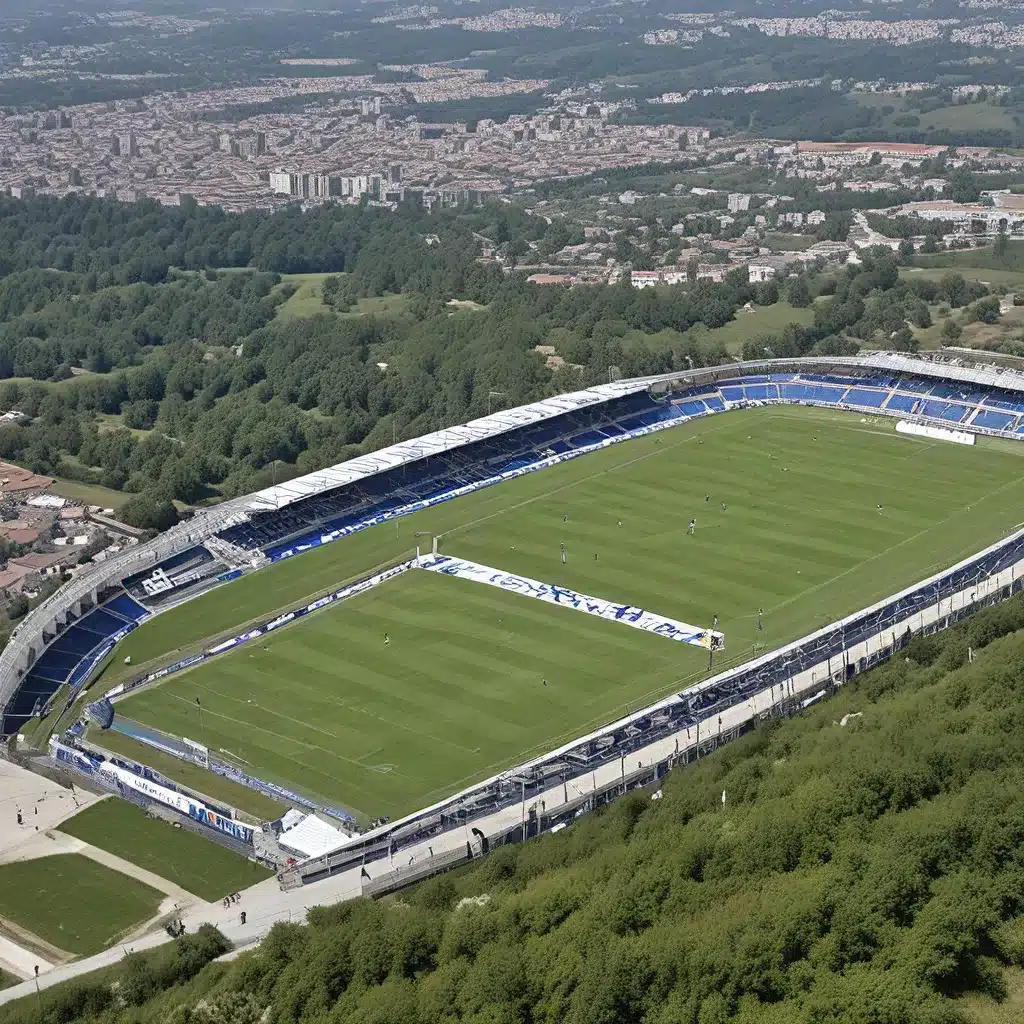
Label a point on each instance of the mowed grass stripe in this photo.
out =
(457, 693)
(294, 579)
(454, 690)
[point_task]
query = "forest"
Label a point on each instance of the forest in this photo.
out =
(147, 348)
(867, 868)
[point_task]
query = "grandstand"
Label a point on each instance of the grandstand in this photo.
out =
(54, 646)
(63, 640)
(75, 650)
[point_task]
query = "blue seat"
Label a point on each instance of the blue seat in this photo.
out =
(903, 403)
(867, 399)
(944, 411)
(920, 387)
(77, 641)
(761, 392)
(993, 420)
(127, 608)
(812, 393)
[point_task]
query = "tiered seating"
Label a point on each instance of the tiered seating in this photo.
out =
(865, 398)
(903, 403)
(761, 392)
(128, 609)
(943, 411)
(799, 392)
(693, 408)
(66, 659)
(1002, 403)
(918, 387)
(993, 420)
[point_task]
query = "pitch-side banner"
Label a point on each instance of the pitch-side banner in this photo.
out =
(638, 618)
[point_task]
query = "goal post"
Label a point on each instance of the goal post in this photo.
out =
(434, 539)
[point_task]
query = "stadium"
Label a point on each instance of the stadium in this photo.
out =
(474, 636)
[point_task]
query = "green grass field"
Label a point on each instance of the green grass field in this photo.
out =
(989, 276)
(90, 494)
(73, 902)
(763, 319)
(197, 865)
(457, 694)
(8, 980)
(308, 300)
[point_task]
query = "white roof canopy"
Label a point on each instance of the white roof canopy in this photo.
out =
(405, 452)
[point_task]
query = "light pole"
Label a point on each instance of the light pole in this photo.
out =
(493, 394)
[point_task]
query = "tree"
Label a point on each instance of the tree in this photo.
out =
(148, 512)
(951, 331)
(797, 292)
(17, 607)
(905, 253)
(962, 186)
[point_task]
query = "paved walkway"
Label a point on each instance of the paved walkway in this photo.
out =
(19, 961)
(42, 803)
(44, 806)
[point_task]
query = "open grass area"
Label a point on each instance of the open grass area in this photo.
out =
(74, 903)
(761, 320)
(457, 694)
(983, 1009)
(108, 422)
(984, 257)
(780, 240)
(196, 864)
(90, 494)
(216, 787)
(988, 275)
(308, 298)
(954, 118)
(7, 980)
(378, 305)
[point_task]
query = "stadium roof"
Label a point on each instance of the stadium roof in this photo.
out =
(440, 441)
(363, 466)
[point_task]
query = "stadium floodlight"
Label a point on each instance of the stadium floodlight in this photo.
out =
(494, 394)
